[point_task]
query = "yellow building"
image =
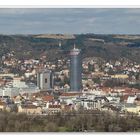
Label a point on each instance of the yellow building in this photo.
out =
(120, 76)
(133, 109)
(29, 109)
(2, 106)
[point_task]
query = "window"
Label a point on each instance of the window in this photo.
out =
(46, 80)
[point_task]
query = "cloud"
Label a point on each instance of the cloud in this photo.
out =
(69, 20)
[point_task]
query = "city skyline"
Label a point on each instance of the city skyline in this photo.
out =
(69, 20)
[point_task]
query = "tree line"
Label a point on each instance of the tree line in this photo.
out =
(69, 122)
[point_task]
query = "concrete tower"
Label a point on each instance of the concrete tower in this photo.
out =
(75, 69)
(45, 80)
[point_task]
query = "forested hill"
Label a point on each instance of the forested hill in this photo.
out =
(104, 46)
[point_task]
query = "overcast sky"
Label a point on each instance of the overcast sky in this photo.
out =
(92, 20)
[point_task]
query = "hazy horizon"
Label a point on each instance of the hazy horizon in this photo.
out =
(24, 34)
(26, 21)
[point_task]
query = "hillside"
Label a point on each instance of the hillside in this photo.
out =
(104, 46)
(55, 36)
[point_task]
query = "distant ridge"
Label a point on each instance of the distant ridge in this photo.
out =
(108, 47)
(56, 36)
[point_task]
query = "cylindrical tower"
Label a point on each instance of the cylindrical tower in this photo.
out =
(75, 70)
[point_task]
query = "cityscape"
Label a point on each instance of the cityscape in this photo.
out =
(70, 82)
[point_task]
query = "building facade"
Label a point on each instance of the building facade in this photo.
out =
(45, 80)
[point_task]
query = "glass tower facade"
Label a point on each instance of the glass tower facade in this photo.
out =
(75, 70)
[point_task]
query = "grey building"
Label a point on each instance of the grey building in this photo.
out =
(75, 70)
(45, 80)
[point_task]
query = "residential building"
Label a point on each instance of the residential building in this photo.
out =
(30, 109)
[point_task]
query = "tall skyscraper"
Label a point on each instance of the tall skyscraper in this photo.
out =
(45, 80)
(75, 70)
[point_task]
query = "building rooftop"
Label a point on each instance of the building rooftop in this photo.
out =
(71, 94)
(48, 98)
(54, 106)
(29, 106)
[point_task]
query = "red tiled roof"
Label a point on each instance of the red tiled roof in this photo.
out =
(106, 89)
(40, 94)
(68, 107)
(70, 94)
(47, 98)
(124, 98)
